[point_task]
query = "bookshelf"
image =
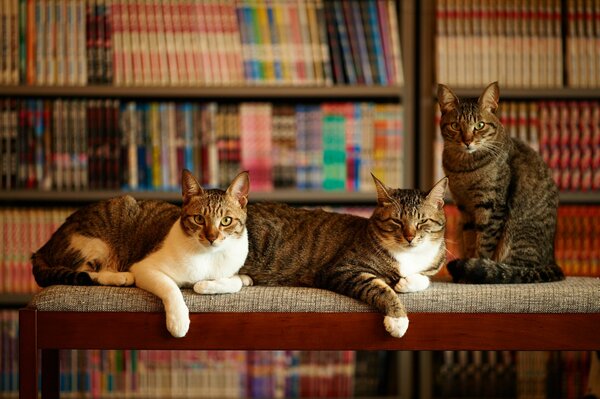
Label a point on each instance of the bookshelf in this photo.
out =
(249, 89)
(459, 374)
(417, 25)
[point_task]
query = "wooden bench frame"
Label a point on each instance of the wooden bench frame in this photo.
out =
(49, 332)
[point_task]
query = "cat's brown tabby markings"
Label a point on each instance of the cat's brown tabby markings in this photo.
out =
(367, 259)
(505, 193)
(162, 247)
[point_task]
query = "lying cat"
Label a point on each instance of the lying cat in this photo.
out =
(159, 246)
(368, 259)
(506, 196)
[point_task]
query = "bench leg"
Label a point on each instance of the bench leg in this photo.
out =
(50, 374)
(28, 367)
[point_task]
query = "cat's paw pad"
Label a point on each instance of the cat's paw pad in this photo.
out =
(246, 280)
(178, 323)
(412, 283)
(396, 326)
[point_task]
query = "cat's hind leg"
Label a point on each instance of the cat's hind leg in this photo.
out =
(227, 285)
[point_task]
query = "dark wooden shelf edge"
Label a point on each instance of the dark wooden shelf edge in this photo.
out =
(15, 300)
(218, 92)
(565, 93)
(290, 196)
(567, 198)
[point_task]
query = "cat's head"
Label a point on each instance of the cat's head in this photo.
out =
(213, 216)
(470, 126)
(406, 218)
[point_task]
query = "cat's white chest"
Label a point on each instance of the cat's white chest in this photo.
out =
(417, 259)
(186, 262)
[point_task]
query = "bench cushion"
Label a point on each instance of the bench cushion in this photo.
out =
(573, 295)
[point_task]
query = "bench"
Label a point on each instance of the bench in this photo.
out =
(562, 315)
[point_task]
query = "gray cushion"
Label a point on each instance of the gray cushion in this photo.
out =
(573, 295)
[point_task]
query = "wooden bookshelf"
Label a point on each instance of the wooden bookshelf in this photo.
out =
(258, 92)
(290, 196)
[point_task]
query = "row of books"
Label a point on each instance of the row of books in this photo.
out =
(214, 42)
(582, 55)
(511, 374)
(109, 144)
(566, 134)
(198, 374)
(519, 44)
(576, 246)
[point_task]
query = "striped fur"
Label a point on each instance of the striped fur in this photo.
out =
(354, 256)
(159, 246)
(505, 193)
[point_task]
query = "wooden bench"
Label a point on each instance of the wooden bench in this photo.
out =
(552, 316)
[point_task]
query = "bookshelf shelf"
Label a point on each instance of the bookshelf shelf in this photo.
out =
(221, 92)
(289, 196)
(15, 300)
(533, 93)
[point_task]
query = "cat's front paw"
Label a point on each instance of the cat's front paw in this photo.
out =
(412, 283)
(178, 322)
(246, 280)
(396, 326)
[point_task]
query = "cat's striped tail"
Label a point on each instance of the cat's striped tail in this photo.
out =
(487, 271)
(46, 275)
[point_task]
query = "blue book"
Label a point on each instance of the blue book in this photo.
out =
(338, 13)
(378, 56)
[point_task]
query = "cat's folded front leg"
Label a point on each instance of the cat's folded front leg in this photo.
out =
(412, 283)
(161, 285)
(227, 285)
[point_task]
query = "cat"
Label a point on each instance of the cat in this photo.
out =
(156, 245)
(395, 250)
(505, 194)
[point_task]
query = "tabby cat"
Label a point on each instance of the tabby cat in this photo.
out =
(505, 193)
(159, 246)
(367, 259)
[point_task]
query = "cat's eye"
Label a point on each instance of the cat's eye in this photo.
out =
(480, 125)
(226, 221)
(455, 126)
(199, 219)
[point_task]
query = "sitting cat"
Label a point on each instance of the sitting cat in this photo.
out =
(368, 259)
(505, 193)
(160, 246)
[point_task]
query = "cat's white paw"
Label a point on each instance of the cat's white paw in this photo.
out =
(205, 287)
(119, 279)
(412, 283)
(246, 280)
(396, 326)
(221, 286)
(178, 322)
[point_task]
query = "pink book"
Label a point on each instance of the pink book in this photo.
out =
(296, 36)
(136, 51)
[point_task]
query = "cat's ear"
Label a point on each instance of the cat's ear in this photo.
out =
(240, 187)
(437, 193)
(490, 97)
(189, 186)
(446, 98)
(383, 196)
